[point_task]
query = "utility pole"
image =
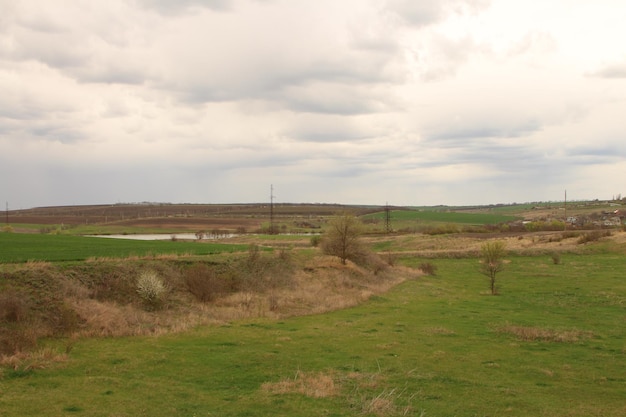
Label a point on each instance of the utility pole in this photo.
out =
(272, 209)
(7, 213)
(565, 207)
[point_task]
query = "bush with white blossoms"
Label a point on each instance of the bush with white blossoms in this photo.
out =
(151, 288)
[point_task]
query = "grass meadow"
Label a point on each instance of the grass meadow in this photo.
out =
(18, 248)
(553, 343)
(428, 218)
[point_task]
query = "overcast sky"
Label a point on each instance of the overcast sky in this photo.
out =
(406, 102)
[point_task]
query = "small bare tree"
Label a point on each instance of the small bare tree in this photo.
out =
(492, 262)
(342, 238)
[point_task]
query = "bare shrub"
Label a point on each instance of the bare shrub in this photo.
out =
(104, 318)
(15, 338)
(593, 236)
(492, 262)
(342, 239)
(284, 255)
(204, 283)
(14, 306)
(273, 301)
(390, 258)
(64, 319)
(259, 273)
(569, 234)
(315, 240)
(151, 288)
(428, 268)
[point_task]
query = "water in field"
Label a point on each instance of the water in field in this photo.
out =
(166, 236)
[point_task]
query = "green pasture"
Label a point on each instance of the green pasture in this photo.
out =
(89, 229)
(431, 216)
(16, 247)
(435, 346)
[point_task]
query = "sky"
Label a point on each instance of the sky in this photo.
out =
(400, 102)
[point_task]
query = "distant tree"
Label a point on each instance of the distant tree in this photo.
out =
(342, 238)
(492, 262)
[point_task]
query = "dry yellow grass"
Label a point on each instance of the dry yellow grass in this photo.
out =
(352, 386)
(529, 333)
(452, 246)
(314, 384)
(322, 285)
(39, 359)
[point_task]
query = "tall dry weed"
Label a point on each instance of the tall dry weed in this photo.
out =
(39, 359)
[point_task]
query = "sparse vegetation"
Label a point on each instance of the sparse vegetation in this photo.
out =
(315, 240)
(205, 283)
(593, 236)
(399, 354)
(432, 346)
(534, 334)
(428, 268)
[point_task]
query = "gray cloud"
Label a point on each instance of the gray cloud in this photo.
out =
(424, 13)
(484, 130)
(358, 101)
(168, 7)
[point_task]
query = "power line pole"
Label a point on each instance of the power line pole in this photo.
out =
(272, 209)
(7, 213)
(565, 208)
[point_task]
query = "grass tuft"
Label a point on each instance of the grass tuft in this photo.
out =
(314, 385)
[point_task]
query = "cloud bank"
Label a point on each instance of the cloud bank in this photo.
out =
(358, 101)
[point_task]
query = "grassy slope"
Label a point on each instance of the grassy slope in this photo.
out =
(432, 345)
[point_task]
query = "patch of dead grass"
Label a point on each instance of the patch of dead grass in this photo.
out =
(365, 392)
(539, 334)
(311, 384)
(39, 359)
(431, 331)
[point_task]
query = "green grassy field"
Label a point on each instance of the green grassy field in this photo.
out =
(15, 247)
(434, 216)
(553, 343)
